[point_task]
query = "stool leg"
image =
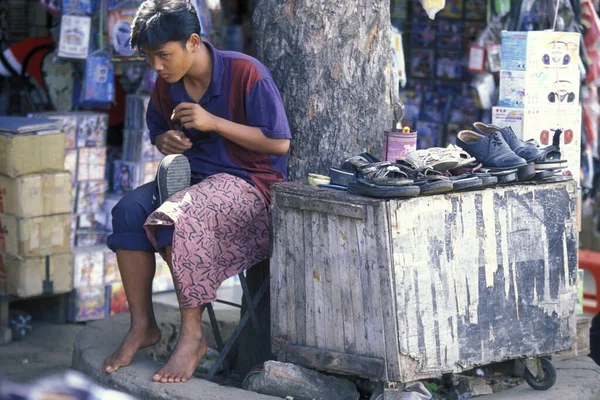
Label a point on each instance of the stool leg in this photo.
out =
(215, 327)
(217, 332)
(250, 310)
(234, 335)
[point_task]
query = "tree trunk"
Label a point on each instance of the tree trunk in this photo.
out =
(331, 62)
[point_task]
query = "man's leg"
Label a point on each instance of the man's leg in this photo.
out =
(191, 345)
(137, 271)
(135, 256)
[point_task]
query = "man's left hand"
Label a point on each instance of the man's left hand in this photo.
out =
(193, 116)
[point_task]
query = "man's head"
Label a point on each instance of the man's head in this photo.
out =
(167, 31)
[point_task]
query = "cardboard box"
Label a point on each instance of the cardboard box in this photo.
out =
(552, 87)
(37, 236)
(27, 154)
(541, 124)
(34, 276)
(35, 195)
(537, 50)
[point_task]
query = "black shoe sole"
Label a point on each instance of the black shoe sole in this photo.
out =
(174, 174)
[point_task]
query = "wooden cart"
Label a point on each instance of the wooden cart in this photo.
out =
(402, 290)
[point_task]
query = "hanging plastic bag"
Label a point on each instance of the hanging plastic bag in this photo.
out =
(432, 7)
(99, 80)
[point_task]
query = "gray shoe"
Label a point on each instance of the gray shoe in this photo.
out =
(528, 150)
(491, 150)
(174, 174)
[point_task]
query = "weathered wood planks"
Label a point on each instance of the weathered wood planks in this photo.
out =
(427, 285)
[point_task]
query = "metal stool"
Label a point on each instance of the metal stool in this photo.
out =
(250, 313)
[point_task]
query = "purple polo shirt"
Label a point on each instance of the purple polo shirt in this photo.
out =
(241, 90)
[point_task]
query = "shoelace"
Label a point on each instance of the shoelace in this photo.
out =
(496, 139)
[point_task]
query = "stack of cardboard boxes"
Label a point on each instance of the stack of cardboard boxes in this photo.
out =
(85, 145)
(35, 200)
(539, 90)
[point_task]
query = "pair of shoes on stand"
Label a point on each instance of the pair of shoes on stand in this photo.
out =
(173, 174)
(503, 154)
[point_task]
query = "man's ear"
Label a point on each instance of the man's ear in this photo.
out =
(194, 42)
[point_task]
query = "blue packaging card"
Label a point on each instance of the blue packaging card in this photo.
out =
(84, 6)
(513, 51)
(99, 84)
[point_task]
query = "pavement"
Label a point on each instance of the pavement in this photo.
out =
(52, 348)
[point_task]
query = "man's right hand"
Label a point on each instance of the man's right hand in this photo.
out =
(172, 142)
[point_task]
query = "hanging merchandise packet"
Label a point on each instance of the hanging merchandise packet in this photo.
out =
(74, 39)
(99, 82)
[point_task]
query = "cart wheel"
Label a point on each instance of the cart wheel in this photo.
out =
(377, 394)
(549, 376)
(251, 376)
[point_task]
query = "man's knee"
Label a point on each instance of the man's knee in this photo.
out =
(131, 211)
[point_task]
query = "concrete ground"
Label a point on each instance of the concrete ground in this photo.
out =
(52, 348)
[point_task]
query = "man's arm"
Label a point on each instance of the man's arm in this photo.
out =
(167, 140)
(193, 116)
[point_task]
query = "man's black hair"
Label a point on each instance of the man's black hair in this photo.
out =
(157, 22)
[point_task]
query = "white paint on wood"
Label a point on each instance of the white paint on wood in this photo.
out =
(515, 286)
(502, 219)
(434, 254)
(565, 259)
(489, 242)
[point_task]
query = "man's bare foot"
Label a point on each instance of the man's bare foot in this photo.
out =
(134, 340)
(182, 363)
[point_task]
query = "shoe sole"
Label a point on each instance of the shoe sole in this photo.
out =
(502, 172)
(174, 174)
(507, 178)
(380, 191)
(435, 187)
(466, 183)
(526, 173)
(544, 165)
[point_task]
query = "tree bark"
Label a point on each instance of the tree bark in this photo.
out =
(331, 62)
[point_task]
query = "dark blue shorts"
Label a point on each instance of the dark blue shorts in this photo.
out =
(128, 218)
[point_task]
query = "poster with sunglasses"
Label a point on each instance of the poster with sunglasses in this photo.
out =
(74, 39)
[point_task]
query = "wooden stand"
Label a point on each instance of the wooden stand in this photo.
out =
(402, 290)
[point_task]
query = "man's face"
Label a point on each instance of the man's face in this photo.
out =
(171, 61)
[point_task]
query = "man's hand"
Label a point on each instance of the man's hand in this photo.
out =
(193, 116)
(172, 142)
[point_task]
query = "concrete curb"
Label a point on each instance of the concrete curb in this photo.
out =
(97, 340)
(578, 378)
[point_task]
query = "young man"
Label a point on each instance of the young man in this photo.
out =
(221, 113)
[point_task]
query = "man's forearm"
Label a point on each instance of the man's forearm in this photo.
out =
(251, 138)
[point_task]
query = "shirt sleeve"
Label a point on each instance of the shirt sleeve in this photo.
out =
(157, 125)
(264, 109)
